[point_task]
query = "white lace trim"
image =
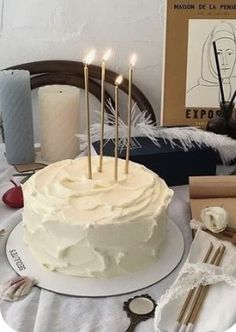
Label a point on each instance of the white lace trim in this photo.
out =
(192, 275)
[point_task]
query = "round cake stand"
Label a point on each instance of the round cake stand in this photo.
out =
(24, 263)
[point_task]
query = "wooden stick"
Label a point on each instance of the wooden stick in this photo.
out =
(224, 236)
(204, 290)
(219, 73)
(88, 119)
(231, 229)
(116, 133)
(191, 292)
(232, 100)
(118, 81)
(129, 119)
(102, 114)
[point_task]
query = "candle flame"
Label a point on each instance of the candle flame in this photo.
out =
(107, 55)
(89, 57)
(119, 80)
(133, 60)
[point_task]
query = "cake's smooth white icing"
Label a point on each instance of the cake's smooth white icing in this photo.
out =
(95, 227)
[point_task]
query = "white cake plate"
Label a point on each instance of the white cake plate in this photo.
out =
(24, 263)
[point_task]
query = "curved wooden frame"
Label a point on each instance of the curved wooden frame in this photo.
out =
(76, 68)
(69, 79)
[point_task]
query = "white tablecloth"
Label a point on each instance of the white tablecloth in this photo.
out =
(44, 311)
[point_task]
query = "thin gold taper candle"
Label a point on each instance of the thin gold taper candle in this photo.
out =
(203, 293)
(118, 81)
(131, 66)
(191, 292)
(87, 61)
(104, 59)
(199, 290)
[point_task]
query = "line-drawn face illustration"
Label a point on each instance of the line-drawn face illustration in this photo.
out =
(206, 91)
(226, 51)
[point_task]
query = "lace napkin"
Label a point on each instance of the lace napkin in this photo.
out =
(218, 312)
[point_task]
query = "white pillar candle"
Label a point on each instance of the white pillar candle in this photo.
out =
(58, 122)
(16, 108)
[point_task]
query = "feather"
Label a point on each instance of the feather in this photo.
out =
(16, 288)
(142, 126)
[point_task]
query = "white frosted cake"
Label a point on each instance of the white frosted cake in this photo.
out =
(98, 227)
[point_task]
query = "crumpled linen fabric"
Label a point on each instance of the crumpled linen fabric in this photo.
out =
(218, 312)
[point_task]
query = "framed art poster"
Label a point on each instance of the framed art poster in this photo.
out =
(191, 93)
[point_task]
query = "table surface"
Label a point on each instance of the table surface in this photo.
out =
(43, 311)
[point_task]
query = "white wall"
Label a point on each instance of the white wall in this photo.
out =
(66, 29)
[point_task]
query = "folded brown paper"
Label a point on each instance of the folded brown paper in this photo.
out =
(212, 186)
(208, 191)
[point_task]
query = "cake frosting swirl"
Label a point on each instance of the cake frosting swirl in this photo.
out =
(97, 227)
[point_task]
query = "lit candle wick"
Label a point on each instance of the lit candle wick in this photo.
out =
(133, 60)
(89, 58)
(107, 55)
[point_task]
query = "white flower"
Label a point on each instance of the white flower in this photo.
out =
(215, 218)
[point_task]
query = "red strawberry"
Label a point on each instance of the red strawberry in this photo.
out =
(14, 197)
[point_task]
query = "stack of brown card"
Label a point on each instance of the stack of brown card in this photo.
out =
(29, 167)
(208, 191)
